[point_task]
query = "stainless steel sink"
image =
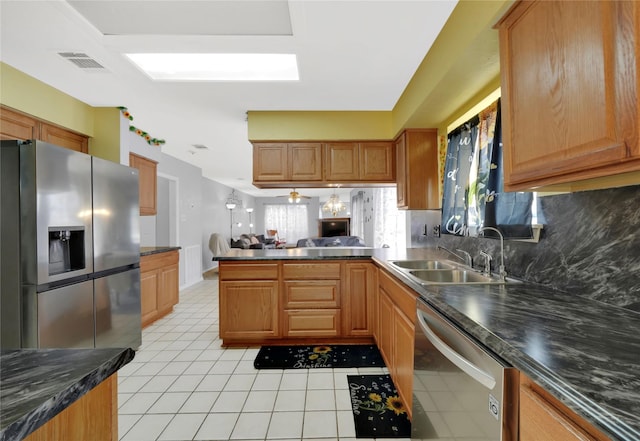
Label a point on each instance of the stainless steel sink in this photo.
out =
(453, 276)
(422, 264)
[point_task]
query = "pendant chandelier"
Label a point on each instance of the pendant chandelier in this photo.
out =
(334, 205)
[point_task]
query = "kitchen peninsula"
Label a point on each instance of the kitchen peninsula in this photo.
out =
(60, 393)
(582, 353)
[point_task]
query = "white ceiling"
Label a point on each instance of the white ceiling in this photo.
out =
(352, 55)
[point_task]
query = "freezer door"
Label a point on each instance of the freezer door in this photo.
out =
(118, 321)
(116, 238)
(60, 199)
(65, 317)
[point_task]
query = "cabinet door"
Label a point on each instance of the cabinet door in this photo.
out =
(377, 161)
(14, 125)
(149, 284)
(270, 162)
(248, 310)
(385, 343)
(569, 90)
(147, 183)
(403, 339)
(342, 161)
(358, 311)
(63, 138)
(169, 287)
(306, 161)
(401, 171)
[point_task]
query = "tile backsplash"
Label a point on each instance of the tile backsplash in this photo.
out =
(590, 245)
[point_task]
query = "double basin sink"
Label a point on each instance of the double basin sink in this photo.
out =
(438, 272)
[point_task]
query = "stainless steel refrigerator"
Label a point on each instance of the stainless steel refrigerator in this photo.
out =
(70, 252)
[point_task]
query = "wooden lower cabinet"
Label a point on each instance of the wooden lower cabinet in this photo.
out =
(360, 284)
(249, 302)
(312, 299)
(544, 418)
(159, 285)
(249, 310)
(396, 327)
(324, 301)
(94, 417)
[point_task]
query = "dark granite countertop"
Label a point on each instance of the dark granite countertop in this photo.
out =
(146, 251)
(320, 253)
(584, 352)
(37, 384)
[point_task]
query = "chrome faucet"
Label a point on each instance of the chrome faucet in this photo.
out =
(466, 257)
(502, 272)
(487, 263)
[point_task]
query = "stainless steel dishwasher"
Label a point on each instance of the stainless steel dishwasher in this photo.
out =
(460, 391)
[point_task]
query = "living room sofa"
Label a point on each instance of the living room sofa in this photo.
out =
(252, 241)
(333, 241)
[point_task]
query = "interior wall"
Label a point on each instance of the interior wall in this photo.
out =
(215, 217)
(590, 245)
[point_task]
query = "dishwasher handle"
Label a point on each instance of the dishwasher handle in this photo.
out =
(465, 365)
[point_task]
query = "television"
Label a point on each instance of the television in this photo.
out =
(337, 226)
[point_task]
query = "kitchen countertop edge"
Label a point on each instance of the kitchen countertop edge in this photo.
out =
(108, 362)
(147, 251)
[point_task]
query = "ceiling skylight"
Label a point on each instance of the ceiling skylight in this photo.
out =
(218, 67)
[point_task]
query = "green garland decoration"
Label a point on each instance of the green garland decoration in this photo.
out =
(150, 140)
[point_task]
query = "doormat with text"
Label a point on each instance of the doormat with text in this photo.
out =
(319, 356)
(377, 409)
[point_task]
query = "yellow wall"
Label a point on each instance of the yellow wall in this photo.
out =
(264, 125)
(22, 92)
(29, 95)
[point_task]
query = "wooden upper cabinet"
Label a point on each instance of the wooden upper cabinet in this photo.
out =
(63, 138)
(17, 125)
(281, 161)
(320, 164)
(270, 162)
(377, 161)
(14, 125)
(306, 161)
(569, 91)
(147, 182)
(360, 161)
(342, 161)
(417, 180)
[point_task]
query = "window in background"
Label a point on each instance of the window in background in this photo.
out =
(357, 214)
(389, 223)
(291, 221)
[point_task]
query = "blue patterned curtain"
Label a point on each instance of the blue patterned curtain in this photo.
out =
(486, 202)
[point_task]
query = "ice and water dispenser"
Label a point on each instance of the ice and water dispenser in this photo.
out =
(66, 249)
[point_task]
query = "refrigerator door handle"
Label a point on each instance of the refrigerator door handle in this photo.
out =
(465, 365)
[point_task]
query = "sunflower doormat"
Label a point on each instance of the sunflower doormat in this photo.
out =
(319, 356)
(378, 411)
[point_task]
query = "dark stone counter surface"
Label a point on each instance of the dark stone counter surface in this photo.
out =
(584, 352)
(145, 251)
(321, 253)
(37, 384)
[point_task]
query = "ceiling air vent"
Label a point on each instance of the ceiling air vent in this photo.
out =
(200, 146)
(83, 61)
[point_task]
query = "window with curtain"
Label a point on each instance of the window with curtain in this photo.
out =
(473, 196)
(389, 223)
(357, 214)
(291, 221)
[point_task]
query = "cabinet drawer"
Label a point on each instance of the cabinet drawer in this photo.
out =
(154, 261)
(248, 271)
(312, 294)
(311, 270)
(312, 323)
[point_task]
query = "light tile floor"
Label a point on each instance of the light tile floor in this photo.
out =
(182, 385)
